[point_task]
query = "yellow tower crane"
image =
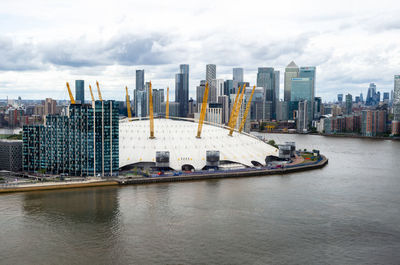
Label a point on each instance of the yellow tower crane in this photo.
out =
(236, 113)
(91, 93)
(151, 112)
(98, 90)
(128, 103)
(247, 110)
(71, 97)
(234, 107)
(203, 111)
(167, 105)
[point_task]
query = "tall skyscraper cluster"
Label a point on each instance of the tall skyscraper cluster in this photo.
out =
(299, 86)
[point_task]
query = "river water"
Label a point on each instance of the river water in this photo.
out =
(345, 213)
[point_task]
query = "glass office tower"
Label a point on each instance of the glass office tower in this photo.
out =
(80, 91)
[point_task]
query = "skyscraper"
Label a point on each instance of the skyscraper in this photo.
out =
(309, 72)
(238, 74)
(140, 79)
(266, 79)
(216, 89)
(371, 95)
(140, 101)
(396, 106)
(182, 90)
(291, 71)
(340, 98)
(302, 91)
(211, 72)
(80, 91)
(349, 104)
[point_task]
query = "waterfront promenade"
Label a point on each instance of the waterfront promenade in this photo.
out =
(185, 176)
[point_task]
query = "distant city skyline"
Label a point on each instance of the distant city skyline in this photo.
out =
(40, 51)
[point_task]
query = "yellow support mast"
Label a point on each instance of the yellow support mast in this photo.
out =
(167, 105)
(234, 107)
(98, 90)
(247, 110)
(237, 110)
(71, 97)
(91, 93)
(151, 112)
(128, 103)
(203, 112)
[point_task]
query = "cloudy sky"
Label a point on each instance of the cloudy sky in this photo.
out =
(44, 43)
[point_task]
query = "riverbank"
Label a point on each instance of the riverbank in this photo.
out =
(192, 176)
(337, 135)
(56, 185)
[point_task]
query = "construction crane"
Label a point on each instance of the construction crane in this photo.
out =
(247, 110)
(236, 113)
(234, 107)
(167, 105)
(91, 93)
(151, 112)
(203, 112)
(128, 103)
(98, 90)
(71, 97)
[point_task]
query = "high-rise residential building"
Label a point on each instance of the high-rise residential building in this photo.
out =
(229, 87)
(80, 91)
(396, 98)
(224, 101)
(349, 104)
(84, 143)
(50, 106)
(277, 77)
(211, 72)
(140, 100)
(266, 79)
(317, 107)
(158, 98)
(199, 94)
(396, 106)
(282, 110)
(257, 105)
(303, 117)
(216, 89)
(291, 71)
(173, 109)
(238, 74)
(301, 91)
(340, 98)
(191, 108)
(140, 79)
(182, 90)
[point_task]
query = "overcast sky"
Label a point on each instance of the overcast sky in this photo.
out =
(44, 43)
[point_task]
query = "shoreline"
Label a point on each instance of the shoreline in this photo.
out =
(196, 176)
(338, 135)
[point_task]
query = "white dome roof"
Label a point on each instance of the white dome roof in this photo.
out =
(179, 138)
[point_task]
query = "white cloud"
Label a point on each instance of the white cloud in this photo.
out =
(46, 43)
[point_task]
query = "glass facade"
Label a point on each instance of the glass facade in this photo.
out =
(85, 143)
(80, 91)
(302, 90)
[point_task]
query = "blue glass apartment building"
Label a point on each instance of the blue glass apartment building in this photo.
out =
(84, 143)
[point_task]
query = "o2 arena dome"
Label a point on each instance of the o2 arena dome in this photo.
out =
(175, 146)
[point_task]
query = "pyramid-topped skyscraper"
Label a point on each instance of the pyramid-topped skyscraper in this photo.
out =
(291, 71)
